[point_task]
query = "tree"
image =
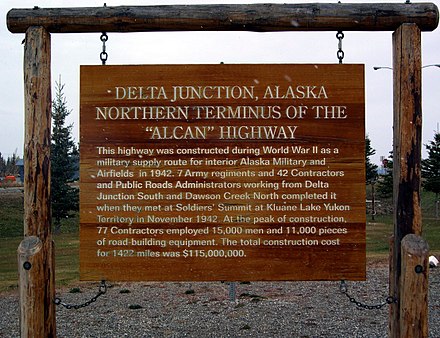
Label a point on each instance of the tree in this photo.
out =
(65, 198)
(370, 168)
(2, 166)
(9, 166)
(370, 173)
(431, 168)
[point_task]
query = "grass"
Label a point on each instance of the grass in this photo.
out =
(379, 232)
(11, 214)
(8, 263)
(11, 234)
(67, 242)
(66, 258)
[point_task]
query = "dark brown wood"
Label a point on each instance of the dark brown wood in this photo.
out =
(254, 205)
(406, 153)
(414, 287)
(236, 17)
(39, 321)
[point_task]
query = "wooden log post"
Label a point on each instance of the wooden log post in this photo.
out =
(30, 257)
(407, 155)
(414, 287)
(38, 284)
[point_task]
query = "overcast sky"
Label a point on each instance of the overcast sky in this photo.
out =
(69, 51)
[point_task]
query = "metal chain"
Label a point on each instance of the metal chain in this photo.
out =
(340, 52)
(103, 56)
(344, 289)
(102, 290)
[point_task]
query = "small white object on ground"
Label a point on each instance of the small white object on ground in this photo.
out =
(433, 262)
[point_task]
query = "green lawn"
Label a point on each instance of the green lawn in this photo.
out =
(380, 230)
(67, 242)
(11, 234)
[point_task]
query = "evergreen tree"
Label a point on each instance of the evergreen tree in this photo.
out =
(65, 198)
(370, 168)
(431, 168)
(9, 166)
(2, 166)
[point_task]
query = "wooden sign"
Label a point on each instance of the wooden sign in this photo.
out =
(222, 172)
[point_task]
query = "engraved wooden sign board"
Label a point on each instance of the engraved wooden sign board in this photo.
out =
(222, 172)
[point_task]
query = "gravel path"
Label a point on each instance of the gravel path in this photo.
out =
(262, 309)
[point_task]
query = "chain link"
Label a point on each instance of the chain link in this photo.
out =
(340, 52)
(102, 290)
(103, 56)
(344, 289)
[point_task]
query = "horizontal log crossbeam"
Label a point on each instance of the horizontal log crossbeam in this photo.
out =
(234, 17)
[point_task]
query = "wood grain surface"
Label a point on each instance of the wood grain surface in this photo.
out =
(222, 172)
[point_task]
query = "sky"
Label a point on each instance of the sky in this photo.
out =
(69, 51)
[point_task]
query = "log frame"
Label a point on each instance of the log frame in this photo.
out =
(234, 17)
(407, 20)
